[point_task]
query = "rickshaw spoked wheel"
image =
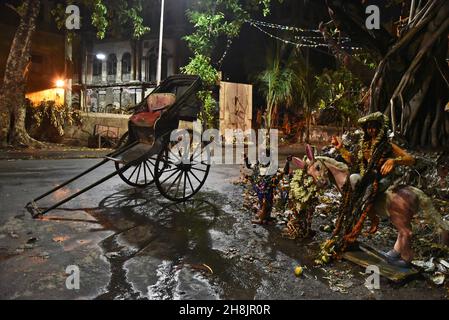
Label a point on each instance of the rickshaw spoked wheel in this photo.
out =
(141, 173)
(180, 172)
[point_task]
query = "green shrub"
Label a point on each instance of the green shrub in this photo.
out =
(46, 121)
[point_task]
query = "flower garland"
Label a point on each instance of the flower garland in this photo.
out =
(365, 143)
(304, 196)
(297, 192)
(355, 206)
(303, 190)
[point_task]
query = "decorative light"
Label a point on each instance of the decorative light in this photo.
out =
(101, 56)
(281, 27)
(304, 41)
(228, 46)
(60, 83)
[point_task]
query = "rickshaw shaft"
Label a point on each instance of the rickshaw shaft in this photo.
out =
(86, 172)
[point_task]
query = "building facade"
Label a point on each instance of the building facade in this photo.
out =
(112, 75)
(119, 74)
(107, 75)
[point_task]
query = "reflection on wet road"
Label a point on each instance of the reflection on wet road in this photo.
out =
(192, 250)
(134, 244)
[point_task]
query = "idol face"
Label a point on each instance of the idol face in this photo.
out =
(372, 128)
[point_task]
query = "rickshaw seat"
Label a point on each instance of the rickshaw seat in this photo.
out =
(146, 119)
(156, 103)
(160, 101)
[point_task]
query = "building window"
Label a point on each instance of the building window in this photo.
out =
(126, 63)
(151, 61)
(97, 67)
(112, 65)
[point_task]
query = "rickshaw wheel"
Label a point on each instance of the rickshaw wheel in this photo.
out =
(123, 141)
(179, 180)
(141, 175)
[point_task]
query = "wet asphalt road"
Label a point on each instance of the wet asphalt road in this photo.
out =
(134, 244)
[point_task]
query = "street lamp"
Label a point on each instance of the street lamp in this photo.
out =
(60, 83)
(161, 39)
(101, 56)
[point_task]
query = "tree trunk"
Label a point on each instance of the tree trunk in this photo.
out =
(411, 82)
(5, 117)
(12, 92)
(68, 72)
(274, 117)
(308, 121)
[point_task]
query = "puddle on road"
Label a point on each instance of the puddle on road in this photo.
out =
(205, 248)
(156, 245)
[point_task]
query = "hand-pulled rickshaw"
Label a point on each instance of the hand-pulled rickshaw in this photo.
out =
(146, 154)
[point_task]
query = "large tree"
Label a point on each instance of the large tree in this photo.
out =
(412, 79)
(104, 15)
(12, 91)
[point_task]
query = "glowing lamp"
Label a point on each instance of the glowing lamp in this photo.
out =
(60, 83)
(101, 56)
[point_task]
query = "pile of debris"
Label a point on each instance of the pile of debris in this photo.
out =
(430, 174)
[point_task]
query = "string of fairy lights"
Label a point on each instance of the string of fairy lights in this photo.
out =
(304, 38)
(281, 27)
(307, 38)
(228, 46)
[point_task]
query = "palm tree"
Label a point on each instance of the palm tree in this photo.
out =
(276, 85)
(306, 87)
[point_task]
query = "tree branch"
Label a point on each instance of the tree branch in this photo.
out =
(424, 12)
(10, 6)
(349, 16)
(360, 70)
(421, 54)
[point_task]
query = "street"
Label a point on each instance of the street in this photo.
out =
(134, 244)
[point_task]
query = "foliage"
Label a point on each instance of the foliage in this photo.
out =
(367, 59)
(48, 120)
(341, 91)
(276, 84)
(295, 84)
(200, 65)
(209, 26)
(109, 16)
(307, 89)
(215, 20)
(306, 85)
(209, 114)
